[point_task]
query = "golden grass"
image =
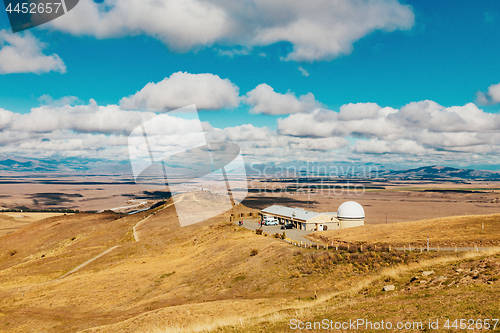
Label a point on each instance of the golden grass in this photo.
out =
(195, 266)
(308, 308)
(13, 221)
(194, 279)
(462, 231)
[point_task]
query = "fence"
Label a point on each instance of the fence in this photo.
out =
(246, 215)
(383, 248)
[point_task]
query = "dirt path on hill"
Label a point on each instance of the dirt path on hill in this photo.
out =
(88, 262)
(136, 233)
(136, 237)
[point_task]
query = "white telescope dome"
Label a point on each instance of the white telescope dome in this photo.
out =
(351, 210)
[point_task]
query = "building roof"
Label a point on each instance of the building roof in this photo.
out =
(331, 213)
(300, 214)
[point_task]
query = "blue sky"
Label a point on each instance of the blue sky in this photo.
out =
(445, 52)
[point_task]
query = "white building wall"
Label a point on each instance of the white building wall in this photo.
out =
(351, 223)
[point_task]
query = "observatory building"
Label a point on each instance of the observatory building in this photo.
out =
(349, 214)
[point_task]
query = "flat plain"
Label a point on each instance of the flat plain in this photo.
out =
(385, 201)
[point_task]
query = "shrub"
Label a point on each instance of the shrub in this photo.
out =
(239, 278)
(353, 248)
(258, 231)
(254, 252)
(166, 275)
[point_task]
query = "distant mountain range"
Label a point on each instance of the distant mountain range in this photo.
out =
(441, 172)
(103, 167)
(71, 165)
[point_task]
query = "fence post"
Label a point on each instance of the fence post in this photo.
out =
(389, 248)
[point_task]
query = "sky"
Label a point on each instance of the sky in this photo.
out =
(397, 84)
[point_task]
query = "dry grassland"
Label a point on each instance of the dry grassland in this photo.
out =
(12, 221)
(462, 231)
(194, 279)
(459, 287)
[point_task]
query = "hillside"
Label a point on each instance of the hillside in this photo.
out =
(198, 268)
(440, 291)
(173, 277)
(461, 231)
(12, 221)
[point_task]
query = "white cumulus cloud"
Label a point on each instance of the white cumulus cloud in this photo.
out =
(264, 99)
(89, 118)
(88, 130)
(206, 91)
(490, 97)
(22, 53)
(416, 128)
(317, 29)
(377, 146)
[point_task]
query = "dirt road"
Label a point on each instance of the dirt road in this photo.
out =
(88, 262)
(136, 233)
